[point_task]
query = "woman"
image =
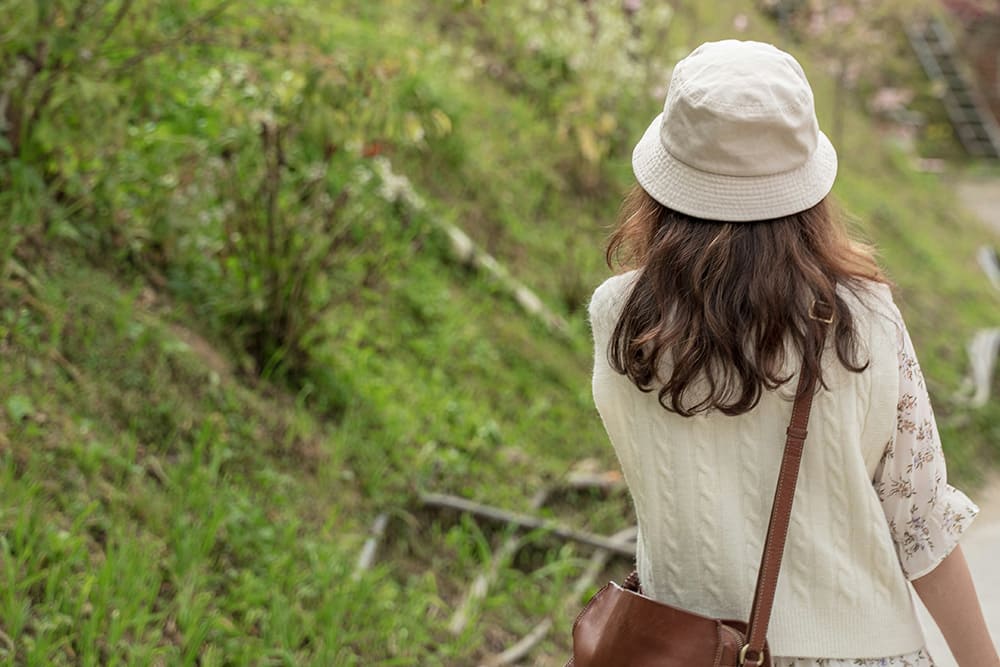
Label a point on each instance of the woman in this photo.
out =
(728, 244)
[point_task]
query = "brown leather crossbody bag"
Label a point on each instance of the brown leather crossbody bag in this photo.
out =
(620, 627)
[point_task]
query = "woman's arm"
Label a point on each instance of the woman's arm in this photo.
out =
(950, 596)
(927, 516)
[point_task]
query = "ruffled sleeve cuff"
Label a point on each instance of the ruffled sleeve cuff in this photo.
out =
(933, 532)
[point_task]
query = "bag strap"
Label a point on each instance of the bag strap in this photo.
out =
(752, 654)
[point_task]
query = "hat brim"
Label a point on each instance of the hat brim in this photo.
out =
(731, 198)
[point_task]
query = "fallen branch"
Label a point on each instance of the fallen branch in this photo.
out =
(9, 643)
(598, 561)
(484, 580)
(983, 350)
(528, 521)
(595, 566)
(367, 556)
(467, 252)
(522, 648)
(608, 482)
(154, 469)
(989, 262)
(984, 347)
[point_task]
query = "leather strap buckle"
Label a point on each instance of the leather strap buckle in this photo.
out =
(752, 663)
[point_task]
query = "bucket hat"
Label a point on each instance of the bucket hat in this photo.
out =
(738, 138)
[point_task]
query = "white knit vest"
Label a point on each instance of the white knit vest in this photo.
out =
(702, 488)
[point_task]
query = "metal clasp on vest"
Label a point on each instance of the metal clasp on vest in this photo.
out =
(825, 316)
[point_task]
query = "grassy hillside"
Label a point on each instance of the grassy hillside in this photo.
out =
(186, 481)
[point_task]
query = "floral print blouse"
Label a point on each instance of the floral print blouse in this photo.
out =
(926, 516)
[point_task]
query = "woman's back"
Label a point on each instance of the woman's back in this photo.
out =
(738, 277)
(703, 485)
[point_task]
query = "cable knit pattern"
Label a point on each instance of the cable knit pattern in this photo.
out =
(709, 543)
(883, 564)
(670, 524)
(702, 507)
(837, 488)
(756, 521)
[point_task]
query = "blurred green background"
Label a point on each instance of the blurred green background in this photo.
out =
(238, 322)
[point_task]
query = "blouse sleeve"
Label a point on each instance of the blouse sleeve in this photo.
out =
(926, 515)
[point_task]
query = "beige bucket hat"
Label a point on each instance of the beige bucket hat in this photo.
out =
(738, 138)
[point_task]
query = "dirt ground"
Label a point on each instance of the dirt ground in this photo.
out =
(981, 197)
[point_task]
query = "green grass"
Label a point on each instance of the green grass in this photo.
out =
(163, 504)
(160, 511)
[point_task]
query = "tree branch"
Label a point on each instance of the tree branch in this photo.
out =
(595, 566)
(484, 580)
(182, 35)
(367, 556)
(528, 521)
(119, 16)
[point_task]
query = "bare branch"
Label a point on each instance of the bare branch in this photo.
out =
(595, 566)
(484, 580)
(183, 35)
(522, 648)
(119, 16)
(376, 533)
(528, 521)
(984, 349)
(8, 642)
(609, 481)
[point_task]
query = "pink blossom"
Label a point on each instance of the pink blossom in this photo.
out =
(842, 14)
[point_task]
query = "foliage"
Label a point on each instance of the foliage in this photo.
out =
(857, 39)
(237, 141)
(74, 74)
(210, 192)
(585, 65)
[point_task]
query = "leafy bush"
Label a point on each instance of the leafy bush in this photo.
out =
(586, 64)
(75, 76)
(212, 154)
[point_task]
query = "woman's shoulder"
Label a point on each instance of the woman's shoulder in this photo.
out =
(876, 316)
(870, 297)
(607, 299)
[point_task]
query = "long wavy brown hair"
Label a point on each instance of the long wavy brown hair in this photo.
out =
(727, 302)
